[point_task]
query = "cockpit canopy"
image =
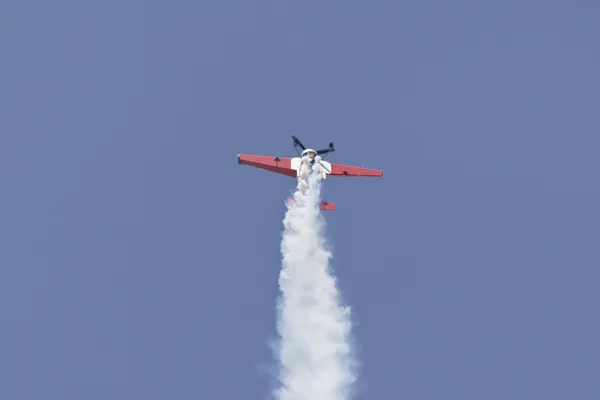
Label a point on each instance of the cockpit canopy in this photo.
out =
(309, 152)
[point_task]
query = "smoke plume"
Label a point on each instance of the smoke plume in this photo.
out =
(314, 353)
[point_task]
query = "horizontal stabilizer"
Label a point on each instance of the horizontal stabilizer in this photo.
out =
(323, 205)
(327, 206)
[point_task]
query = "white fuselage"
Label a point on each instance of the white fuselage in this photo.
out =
(321, 165)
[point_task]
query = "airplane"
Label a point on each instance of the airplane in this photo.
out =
(291, 166)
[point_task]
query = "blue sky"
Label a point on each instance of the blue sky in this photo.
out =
(139, 260)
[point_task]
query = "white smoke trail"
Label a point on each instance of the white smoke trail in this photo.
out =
(315, 355)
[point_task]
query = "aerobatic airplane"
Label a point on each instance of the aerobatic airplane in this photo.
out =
(291, 166)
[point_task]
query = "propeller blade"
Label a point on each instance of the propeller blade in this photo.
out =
(298, 143)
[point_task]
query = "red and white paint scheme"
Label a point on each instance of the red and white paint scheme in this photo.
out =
(291, 166)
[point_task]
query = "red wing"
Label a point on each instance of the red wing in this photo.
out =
(280, 165)
(347, 170)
